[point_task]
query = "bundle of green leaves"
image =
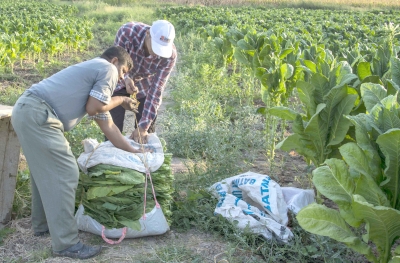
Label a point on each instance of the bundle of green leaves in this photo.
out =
(114, 196)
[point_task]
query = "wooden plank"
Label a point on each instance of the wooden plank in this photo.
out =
(9, 160)
(5, 111)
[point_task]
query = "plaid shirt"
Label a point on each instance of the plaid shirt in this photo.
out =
(150, 74)
(102, 115)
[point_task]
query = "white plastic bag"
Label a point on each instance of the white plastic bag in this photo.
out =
(106, 153)
(153, 224)
(297, 198)
(256, 202)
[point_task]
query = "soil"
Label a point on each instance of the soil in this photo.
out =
(21, 246)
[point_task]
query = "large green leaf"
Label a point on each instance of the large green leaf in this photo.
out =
(131, 178)
(310, 65)
(333, 113)
(286, 71)
(395, 69)
(321, 87)
(283, 113)
(320, 220)
(390, 102)
(392, 87)
(335, 182)
(342, 74)
(355, 157)
(373, 79)
(383, 225)
(376, 120)
(370, 190)
(389, 143)
(364, 70)
(362, 127)
(306, 95)
(390, 118)
(317, 132)
(265, 52)
(102, 191)
(241, 57)
(298, 144)
(243, 45)
(372, 94)
(285, 52)
(255, 63)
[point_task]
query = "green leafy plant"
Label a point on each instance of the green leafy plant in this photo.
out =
(4, 233)
(321, 129)
(365, 184)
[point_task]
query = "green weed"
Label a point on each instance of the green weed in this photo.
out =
(40, 255)
(177, 253)
(4, 233)
(22, 195)
(10, 95)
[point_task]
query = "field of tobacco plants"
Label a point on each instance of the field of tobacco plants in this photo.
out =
(308, 96)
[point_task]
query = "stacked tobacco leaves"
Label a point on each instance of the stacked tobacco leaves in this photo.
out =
(114, 196)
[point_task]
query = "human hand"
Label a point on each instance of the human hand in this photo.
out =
(139, 135)
(130, 86)
(129, 104)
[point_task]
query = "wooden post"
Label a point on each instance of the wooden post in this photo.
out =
(9, 161)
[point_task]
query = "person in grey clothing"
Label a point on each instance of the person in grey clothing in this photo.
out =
(40, 117)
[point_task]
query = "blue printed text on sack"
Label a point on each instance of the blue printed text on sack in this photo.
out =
(218, 187)
(265, 190)
(243, 181)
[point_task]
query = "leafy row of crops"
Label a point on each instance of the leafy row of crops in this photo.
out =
(335, 29)
(29, 29)
(345, 70)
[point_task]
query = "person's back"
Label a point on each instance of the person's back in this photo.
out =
(68, 90)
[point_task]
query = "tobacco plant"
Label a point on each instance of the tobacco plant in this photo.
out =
(320, 128)
(365, 183)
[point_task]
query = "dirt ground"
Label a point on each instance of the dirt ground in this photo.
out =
(22, 246)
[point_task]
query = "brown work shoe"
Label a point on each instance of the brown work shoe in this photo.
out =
(80, 251)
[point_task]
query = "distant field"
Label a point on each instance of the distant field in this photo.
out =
(299, 3)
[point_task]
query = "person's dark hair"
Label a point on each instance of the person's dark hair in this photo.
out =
(120, 53)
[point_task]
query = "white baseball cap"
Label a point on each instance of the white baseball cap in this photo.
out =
(162, 36)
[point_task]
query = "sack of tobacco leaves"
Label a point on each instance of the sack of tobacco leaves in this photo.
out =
(114, 197)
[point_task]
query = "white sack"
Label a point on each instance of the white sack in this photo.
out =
(247, 217)
(154, 224)
(107, 153)
(258, 203)
(297, 198)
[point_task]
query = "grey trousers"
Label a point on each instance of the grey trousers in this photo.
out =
(53, 168)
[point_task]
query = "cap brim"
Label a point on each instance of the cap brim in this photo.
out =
(160, 50)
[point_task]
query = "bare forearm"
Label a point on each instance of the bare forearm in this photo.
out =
(94, 106)
(114, 135)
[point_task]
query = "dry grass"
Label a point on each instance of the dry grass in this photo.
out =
(22, 246)
(296, 3)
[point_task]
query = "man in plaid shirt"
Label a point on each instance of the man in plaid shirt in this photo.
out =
(154, 55)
